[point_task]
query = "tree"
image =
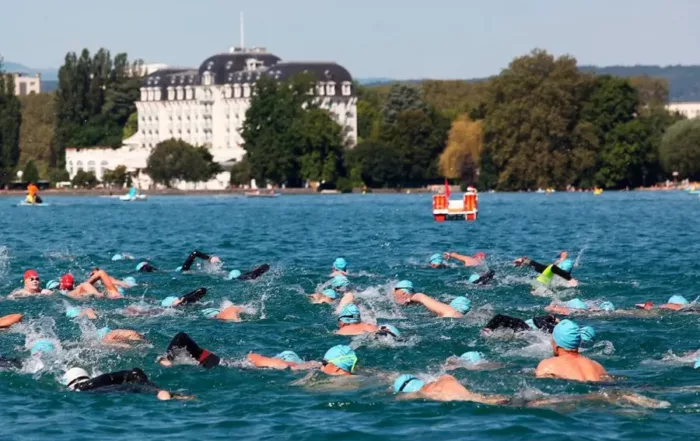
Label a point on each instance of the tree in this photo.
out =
(174, 160)
(680, 149)
(83, 179)
(10, 122)
(58, 175)
(37, 130)
(460, 159)
(131, 126)
(375, 164)
(116, 177)
(30, 173)
(402, 98)
(241, 173)
(321, 144)
(368, 117)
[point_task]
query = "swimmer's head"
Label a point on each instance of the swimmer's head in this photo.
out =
(436, 260)
(330, 293)
(677, 300)
(102, 332)
(130, 281)
(576, 304)
(42, 346)
(340, 282)
(340, 264)
(168, 301)
(408, 384)
(342, 357)
(567, 335)
(566, 264)
(289, 357)
(474, 277)
(52, 284)
(211, 312)
(472, 357)
(587, 334)
(389, 330)
(117, 257)
(234, 274)
(607, 306)
(72, 312)
(461, 304)
(67, 282)
(350, 314)
(74, 376)
(563, 255)
(480, 255)
(31, 279)
(405, 285)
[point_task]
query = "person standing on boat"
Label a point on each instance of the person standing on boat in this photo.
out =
(33, 194)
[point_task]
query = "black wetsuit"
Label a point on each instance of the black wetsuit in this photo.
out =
(147, 268)
(555, 269)
(193, 297)
(134, 380)
(190, 259)
(485, 278)
(544, 323)
(10, 363)
(254, 274)
(183, 342)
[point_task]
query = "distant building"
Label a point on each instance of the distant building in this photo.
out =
(689, 110)
(26, 84)
(206, 106)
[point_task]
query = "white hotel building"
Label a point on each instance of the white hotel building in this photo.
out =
(207, 106)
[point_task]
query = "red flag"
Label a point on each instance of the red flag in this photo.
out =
(447, 189)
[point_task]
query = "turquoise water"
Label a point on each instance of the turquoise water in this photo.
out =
(630, 247)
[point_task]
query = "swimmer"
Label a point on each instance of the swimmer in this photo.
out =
(561, 267)
(145, 267)
(476, 260)
(76, 311)
(9, 320)
(122, 256)
(118, 337)
(472, 360)
(183, 343)
(577, 306)
(499, 321)
(482, 278)
(674, 303)
(283, 360)
(228, 312)
(339, 268)
(88, 289)
(403, 294)
(339, 360)
(250, 275)
(195, 255)
(32, 287)
(328, 295)
(445, 388)
(187, 299)
(567, 363)
(134, 380)
(350, 322)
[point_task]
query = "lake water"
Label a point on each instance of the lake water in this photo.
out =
(630, 247)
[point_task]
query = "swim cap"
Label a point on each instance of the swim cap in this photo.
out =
(130, 281)
(531, 323)
(566, 264)
(141, 265)
(340, 264)
(117, 257)
(72, 312)
(67, 281)
(52, 284)
(587, 334)
(461, 304)
(472, 357)
(210, 312)
(74, 374)
(567, 335)
(120, 290)
(102, 332)
(436, 259)
(697, 363)
(405, 285)
(30, 273)
(607, 306)
(350, 314)
(677, 300)
(42, 345)
(480, 255)
(390, 330)
(289, 357)
(576, 304)
(168, 301)
(328, 292)
(178, 269)
(234, 274)
(342, 357)
(339, 281)
(408, 383)
(474, 277)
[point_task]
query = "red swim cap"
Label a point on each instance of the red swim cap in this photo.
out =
(480, 255)
(67, 281)
(30, 273)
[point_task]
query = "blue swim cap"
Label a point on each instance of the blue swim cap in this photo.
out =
(472, 357)
(697, 363)
(52, 284)
(576, 304)
(178, 269)
(121, 290)
(339, 281)
(340, 264)
(117, 257)
(42, 345)
(141, 265)
(102, 332)
(330, 293)
(390, 329)
(72, 312)
(436, 259)
(210, 312)
(289, 356)
(408, 383)
(233, 274)
(350, 314)
(587, 334)
(168, 301)
(405, 285)
(607, 306)
(567, 335)
(130, 281)
(531, 323)
(342, 357)
(474, 277)
(461, 304)
(677, 300)
(566, 264)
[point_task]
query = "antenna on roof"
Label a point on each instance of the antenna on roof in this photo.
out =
(242, 40)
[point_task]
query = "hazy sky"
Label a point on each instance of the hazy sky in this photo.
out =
(372, 38)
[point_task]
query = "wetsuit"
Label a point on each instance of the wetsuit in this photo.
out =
(555, 269)
(193, 297)
(147, 268)
(182, 341)
(254, 274)
(485, 278)
(544, 323)
(190, 259)
(135, 380)
(10, 363)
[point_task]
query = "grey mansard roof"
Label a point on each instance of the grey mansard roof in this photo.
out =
(321, 71)
(222, 65)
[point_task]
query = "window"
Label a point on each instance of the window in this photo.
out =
(207, 78)
(80, 165)
(189, 93)
(319, 89)
(70, 167)
(171, 93)
(144, 94)
(91, 166)
(246, 90)
(346, 88)
(330, 88)
(179, 93)
(227, 91)
(237, 91)
(157, 97)
(150, 95)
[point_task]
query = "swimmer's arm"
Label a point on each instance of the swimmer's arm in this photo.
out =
(558, 309)
(307, 365)
(267, 362)
(9, 320)
(112, 290)
(123, 335)
(348, 298)
(435, 306)
(466, 260)
(671, 306)
(120, 283)
(46, 292)
(232, 313)
(489, 399)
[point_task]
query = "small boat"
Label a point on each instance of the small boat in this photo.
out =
(260, 194)
(597, 191)
(133, 195)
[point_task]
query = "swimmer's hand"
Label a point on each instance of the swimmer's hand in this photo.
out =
(46, 292)
(520, 261)
(573, 283)
(163, 361)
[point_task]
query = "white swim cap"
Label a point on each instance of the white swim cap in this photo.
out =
(74, 374)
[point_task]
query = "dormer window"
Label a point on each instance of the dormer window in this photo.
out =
(237, 91)
(330, 88)
(246, 90)
(144, 94)
(347, 88)
(157, 97)
(188, 92)
(179, 93)
(150, 95)
(320, 89)
(171, 93)
(227, 91)
(207, 78)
